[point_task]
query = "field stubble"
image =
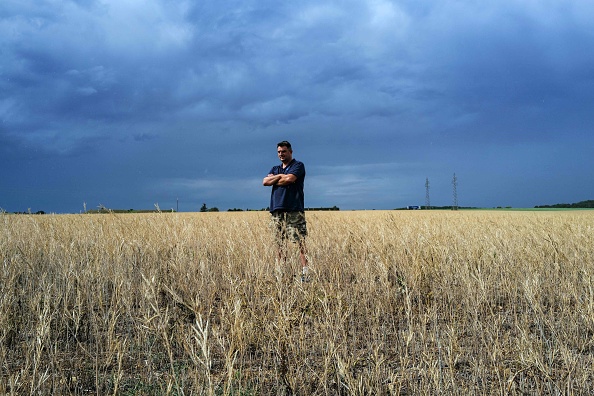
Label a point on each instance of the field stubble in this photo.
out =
(401, 303)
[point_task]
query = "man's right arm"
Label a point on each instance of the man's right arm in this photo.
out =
(281, 179)
(271, 179)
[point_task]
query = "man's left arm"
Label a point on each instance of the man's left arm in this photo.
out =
(297, 171)
(279, 180)
(271, 179)
(286, 179)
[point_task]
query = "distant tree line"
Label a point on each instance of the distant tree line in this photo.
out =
(581, 204)
(203, 208)
(324, 208)
(266, 209)
(423, 207)
(247, 210)
(105, 210)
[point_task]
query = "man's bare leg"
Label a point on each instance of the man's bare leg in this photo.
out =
(282, 254)
(303, 258)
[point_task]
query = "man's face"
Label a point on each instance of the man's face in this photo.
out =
(284, 154)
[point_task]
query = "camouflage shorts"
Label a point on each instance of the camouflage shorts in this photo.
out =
(289, 225)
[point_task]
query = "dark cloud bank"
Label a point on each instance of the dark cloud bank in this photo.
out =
(129, 105)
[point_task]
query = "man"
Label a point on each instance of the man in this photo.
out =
(287, 204)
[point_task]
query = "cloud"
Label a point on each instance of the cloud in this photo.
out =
(377, 185)
(215, 192)
(161, 90)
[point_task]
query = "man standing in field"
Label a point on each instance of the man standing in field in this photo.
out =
(287, 203)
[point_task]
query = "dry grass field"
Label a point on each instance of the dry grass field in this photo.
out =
(399, 303)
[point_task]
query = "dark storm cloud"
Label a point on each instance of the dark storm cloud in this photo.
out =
(523, 61)
(129, 103)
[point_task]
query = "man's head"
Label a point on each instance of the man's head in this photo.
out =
(284, 151)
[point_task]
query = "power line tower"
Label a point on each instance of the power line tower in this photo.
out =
(427, 201)
(455, 193)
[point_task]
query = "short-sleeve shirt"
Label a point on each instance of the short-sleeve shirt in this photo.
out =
(288, 198)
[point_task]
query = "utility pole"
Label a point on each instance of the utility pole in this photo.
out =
(427, 201)
(455, 193)
(177, 205)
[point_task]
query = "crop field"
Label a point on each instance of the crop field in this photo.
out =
(399, 303)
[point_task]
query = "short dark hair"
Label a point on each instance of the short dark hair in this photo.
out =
(284, 143)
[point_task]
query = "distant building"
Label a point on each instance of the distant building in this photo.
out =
(413, 207)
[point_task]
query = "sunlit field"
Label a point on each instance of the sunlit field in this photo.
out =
(399, 302)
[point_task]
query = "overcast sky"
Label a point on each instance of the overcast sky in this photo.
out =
(132, 104)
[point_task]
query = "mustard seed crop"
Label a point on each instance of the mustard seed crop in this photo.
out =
(399, 302)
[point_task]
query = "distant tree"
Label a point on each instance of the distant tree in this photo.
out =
(581, 205)
(324, 208)
(204, 208)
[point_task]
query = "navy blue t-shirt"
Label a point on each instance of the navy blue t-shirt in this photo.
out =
(288, 198)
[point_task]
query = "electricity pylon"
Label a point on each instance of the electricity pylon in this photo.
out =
(427, 201)
(455, 193)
